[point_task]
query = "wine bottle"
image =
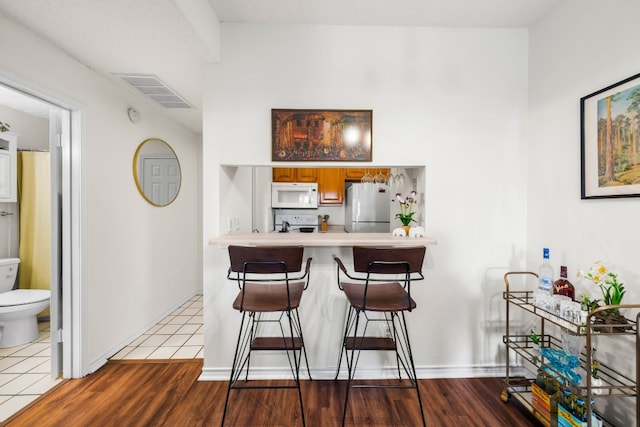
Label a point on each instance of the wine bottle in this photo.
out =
(563, 286)
(545, 273)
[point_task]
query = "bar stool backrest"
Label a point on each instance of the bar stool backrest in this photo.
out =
(265, 259)
(264, 266)
(388, 260)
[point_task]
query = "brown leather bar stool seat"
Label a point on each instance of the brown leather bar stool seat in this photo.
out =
(379, 291)
(271, 282)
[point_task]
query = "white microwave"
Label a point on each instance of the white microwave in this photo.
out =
(294, 195)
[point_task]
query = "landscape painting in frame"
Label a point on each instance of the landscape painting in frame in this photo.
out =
(321, 135)
(610, 140)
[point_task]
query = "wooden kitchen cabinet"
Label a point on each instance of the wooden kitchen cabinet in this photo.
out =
(330, 186)
(284, 174)
(307, 175)
(356, 174)
(330, 180)
(295, 174)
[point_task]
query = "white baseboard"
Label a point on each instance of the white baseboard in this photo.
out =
(101, 360)
(222, 374)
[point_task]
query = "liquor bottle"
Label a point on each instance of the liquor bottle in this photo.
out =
(562, 286)
(545, 273)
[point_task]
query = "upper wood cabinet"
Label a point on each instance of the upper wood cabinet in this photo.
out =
(330, 180)
(356, 174)
(283, 174)
(307, 174)
(330, 186)
(295, 174)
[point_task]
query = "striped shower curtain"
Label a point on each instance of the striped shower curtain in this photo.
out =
(34, 205)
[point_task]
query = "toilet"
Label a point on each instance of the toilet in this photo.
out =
(18, 308)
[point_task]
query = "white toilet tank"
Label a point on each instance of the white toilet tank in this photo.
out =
(8, 273)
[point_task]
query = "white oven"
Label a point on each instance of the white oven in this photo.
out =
(296, 223)
(294, 195)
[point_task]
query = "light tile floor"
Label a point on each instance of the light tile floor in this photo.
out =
(177, 336)
(25, 371)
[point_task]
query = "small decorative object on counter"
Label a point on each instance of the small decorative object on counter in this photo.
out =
(406, 213)
(400, 231)
(4, 127)
(408, 231)
(545, 273)
(563, 286)
(416, 232)
(324, 223)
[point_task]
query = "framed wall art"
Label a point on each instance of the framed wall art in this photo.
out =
(610, 134)
(321, 135)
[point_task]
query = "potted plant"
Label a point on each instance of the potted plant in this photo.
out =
(406, 210)
(4, 127)
(612, 293)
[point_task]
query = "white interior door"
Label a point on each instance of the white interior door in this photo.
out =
(160, 178)
(58, 132)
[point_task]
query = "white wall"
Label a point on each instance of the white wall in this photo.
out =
(140, 260)
(581, 47)
(32, 131)
(452, 100)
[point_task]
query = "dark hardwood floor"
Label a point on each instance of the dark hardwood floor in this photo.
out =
(167, 393)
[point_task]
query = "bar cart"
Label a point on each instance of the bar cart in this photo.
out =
(613, 383)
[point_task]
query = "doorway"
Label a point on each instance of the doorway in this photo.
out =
(26, 108)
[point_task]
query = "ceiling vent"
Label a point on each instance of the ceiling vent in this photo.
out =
(152, 87)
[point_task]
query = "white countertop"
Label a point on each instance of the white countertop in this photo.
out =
(332, 238)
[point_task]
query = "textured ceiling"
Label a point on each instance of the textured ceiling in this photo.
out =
(155, 37)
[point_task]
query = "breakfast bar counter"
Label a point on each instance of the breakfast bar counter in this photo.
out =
(331, 238)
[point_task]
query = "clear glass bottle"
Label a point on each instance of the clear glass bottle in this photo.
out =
(545, 273)
(563, 286)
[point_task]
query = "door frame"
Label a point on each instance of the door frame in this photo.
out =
(74, 343)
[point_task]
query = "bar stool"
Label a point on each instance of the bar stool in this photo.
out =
(379, 291)
(271, 282)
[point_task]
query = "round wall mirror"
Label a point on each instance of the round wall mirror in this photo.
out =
(156, 170)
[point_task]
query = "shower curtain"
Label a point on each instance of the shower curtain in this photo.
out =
(34, 206)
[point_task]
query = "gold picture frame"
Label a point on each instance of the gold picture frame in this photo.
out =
(321, 135)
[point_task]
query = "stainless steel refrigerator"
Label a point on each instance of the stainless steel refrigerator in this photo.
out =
(368, 208)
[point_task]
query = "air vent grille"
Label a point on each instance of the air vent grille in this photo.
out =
(154, 88)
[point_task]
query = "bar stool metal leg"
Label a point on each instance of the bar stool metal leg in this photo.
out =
(304, 348)
(344, 340)
(233, 368)
(242, 357)
(296, 360)
(414, 378)
(271, 281)
(375, 291)
(351, 362)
